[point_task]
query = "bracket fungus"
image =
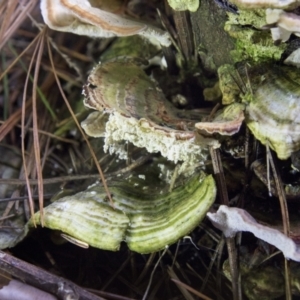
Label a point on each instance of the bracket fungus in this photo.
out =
(80, 17)
(139, 113)
(273, 114)
(227, 122)
(148, 222)
(272, 110)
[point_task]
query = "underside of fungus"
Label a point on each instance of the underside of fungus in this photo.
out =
(285, 24)
(227, 122)
(232, 220)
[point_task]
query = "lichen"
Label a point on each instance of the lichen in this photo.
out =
(254, 18)
(180, 5)
(252, 43)
(228, 85)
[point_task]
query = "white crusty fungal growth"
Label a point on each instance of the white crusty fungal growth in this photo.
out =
(232, 220)
(180, 5)
(79, 17)
(286, 24)
(141, 133)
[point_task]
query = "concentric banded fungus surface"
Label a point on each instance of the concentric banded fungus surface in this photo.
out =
(140, 113)
(273, 115)
(146, 221)
(272, 105)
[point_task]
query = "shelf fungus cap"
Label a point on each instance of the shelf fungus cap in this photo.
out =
(271, 97)
(139, 113)
(80, 17)
(147, 222)
(273, 114)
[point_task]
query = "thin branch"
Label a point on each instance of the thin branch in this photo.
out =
(43, 280)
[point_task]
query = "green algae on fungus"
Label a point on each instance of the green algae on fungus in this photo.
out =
(255, 18)
(251, 42)
(212, 93)
(272, 98)
(273, 114)
(146, 221)
(228, 84)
